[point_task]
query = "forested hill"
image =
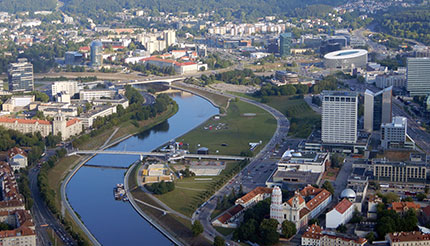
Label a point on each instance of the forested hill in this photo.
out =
(13, 6)
(254, 8)
(413, 23)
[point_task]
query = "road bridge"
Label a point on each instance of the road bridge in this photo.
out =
(140, 82)
(156, 154)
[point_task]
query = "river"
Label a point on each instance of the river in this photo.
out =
(90, 191)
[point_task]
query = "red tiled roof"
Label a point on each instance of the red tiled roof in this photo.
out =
(84, 48)
(408, 236)
(402, 206)
(15, 151)
(185, 64)
(318, 199)
(343, 205)
(250, 195)
(309, 190)
(303, 212)
(313, 231)
(301, 200)
(23, 121)
(22, 231)
(71, 122)
(316, 232)
(224, 218)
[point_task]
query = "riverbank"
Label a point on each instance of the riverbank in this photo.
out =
(57, 174)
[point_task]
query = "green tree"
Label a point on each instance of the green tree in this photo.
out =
(219, 241)
(268, 231)
(421, 196)
(371, 237)
(341, 228)
(197, 228)
(328, 186)
(336, 160)
(288, 229)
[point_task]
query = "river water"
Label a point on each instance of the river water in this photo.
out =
(90, 191)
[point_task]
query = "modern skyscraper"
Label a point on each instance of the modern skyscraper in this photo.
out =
(96, 53)
(418, 76)
(20, 76)
(285, 44)
(377, 108)
(339, 117)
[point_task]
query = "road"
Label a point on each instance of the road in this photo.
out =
(251, 172)
(42, 215)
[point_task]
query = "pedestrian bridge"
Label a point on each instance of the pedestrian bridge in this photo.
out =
(156, 154)
(140, 82)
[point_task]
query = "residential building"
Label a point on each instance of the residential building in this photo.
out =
(17, 158)
(339, 117)
(377, 108)
(254, 196)
(394, 134)
(69, 87)
(17, 102)
(340, 214)
(418, 76)
(296, 209)
(90, 95)
(285, 43)
(395, 80)
(408, 238)
(96, 53)
(316, 236)
(20, 75)
(402, 207)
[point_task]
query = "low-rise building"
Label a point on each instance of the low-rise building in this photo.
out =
(16, 103)
(256, 195)
(17, 158)
(156, 172)
(316, 236)
(90, 95)
(340, 214)
(402, 207)
(408, 238)
(99, 111)
(305, 161)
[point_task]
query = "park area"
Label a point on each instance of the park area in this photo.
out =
(231, 134)
(302, 118)
(192, 191)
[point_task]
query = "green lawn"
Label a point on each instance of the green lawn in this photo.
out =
(302, 118)
(224, 231)
(237, 133)
(188, 193)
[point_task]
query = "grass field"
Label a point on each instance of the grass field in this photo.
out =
(224, 231)
(302, 118)
(237, 133)
(187, 192)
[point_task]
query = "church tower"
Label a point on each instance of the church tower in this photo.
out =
(276, 210)
(59, 125)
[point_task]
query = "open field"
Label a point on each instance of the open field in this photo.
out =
(177, 227)
(188, 192)
(231, 134)
(302, 118)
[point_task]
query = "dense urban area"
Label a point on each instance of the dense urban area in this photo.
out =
(272, 122)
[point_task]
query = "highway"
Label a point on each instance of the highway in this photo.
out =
(203, 213)
(42, 215)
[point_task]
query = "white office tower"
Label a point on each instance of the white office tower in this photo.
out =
(377, 108)
(418, 76)
(394, 133)
(339, 117)
(68, 87)
(276, 205)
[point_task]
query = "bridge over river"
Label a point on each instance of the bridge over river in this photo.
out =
(157, 154)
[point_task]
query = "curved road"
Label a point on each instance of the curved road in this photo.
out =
(203, 213)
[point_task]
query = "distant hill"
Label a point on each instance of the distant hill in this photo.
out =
(13, 6)
(238, 8)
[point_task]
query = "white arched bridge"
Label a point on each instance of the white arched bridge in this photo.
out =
(157, 154)
(140, 82)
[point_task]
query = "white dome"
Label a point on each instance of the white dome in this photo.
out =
(348, 193)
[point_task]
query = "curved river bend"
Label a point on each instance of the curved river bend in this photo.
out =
(90, 190)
